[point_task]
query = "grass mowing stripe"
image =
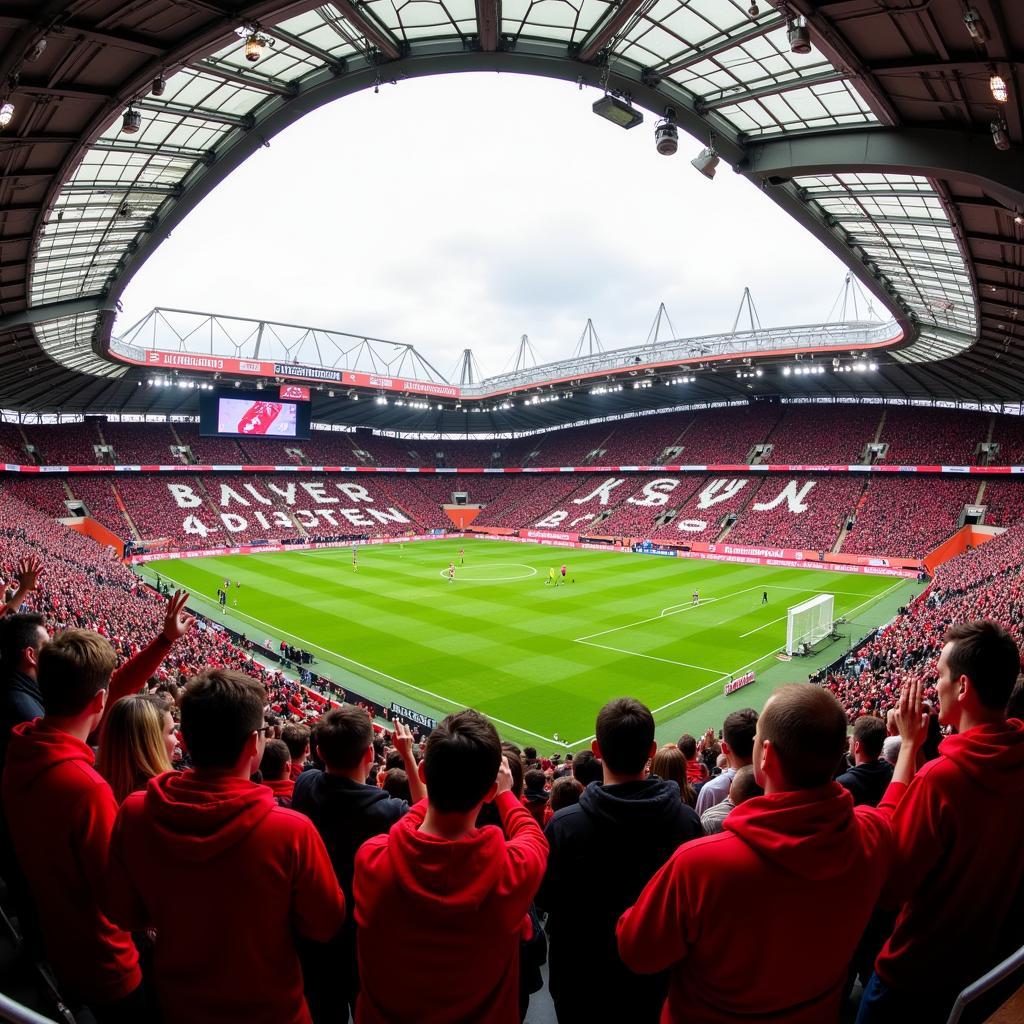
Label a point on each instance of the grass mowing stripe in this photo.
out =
(309, 645)
(507, 647)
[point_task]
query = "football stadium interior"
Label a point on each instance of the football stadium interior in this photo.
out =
(692, 520)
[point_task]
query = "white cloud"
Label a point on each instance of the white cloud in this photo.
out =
(467, 210)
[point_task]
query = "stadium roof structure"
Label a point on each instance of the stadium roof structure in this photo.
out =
(888, 140)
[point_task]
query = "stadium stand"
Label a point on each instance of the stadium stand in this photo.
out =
(908, 517)
(64, 444)
(808, 433)
(983, 582)
(47, 494)
(944, 437)
(702, 516)
(98, 495)
(141, 443)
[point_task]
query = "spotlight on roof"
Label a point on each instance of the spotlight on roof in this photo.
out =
(976, 25)
(1000, 135)
(786, 371)
(997, 85)
(36, 50)
(6, 113)
(619, 112)
(158, 86)
(753, 10)
(1018, 218)
(799, 36)
(706, 161)
(131, 122)
(666, 138)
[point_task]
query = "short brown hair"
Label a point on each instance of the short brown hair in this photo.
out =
(461, 761)
(220, 710)
(565, 792)
(869, 731)
(806, 727)
(276, 759)
(73, 667)
(296, 739)
(343, 736)
(625, 732)
(987, 654)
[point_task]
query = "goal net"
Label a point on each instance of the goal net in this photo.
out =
(809, 622)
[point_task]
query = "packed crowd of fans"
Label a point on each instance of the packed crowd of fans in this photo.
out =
(983, 582)
(800, 434)
(220, 861)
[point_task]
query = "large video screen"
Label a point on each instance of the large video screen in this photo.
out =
(252, 415)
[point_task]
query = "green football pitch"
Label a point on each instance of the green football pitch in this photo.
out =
(538, 659)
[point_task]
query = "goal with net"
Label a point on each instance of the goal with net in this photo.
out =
(809, 623)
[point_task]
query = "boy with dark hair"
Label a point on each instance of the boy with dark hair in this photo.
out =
(738, 746)
(224, 874)
(346, 812)
(799, 861)
(870, 776)
(586, 768)
(959, 865)
(460, 892)
(274, 769)
(60, 812)
(296, 739)
(604, 849)
(535, 797)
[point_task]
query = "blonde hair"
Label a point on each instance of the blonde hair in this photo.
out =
(132, 750)
(670, 764)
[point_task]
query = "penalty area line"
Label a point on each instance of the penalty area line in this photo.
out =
(369, 668)
(756, 661)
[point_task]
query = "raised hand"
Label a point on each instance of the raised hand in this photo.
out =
(177, 621)
(403, 742)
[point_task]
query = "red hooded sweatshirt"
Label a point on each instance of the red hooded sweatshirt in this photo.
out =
(283, 789)
(759, 922)
(225, 876)
(60, 812)
(439, 921)
(959, 860)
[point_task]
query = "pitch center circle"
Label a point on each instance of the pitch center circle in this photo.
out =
(464, 573)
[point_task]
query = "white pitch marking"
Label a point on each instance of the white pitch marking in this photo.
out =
(308, 644)
(653, 657)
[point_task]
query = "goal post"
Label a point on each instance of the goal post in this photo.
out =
(809, 622)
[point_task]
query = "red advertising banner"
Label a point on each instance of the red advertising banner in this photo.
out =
(739, 682)
(293, 393)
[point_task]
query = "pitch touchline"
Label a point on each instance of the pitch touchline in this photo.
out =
(740, 671)
(352, 661)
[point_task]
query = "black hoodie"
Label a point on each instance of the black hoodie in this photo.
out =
(346, 814)
(604, 850)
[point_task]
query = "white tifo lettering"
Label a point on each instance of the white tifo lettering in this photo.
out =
(552, 519)
(229, 494)
(602, 491)
(355, 493)
(720, 490)
(655, 493)
(184, 496)
(794, 498)
(316, 492)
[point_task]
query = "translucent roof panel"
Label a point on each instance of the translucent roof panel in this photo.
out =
(68, 340)
(900, 224)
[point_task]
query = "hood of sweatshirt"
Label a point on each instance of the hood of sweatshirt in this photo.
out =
(337, 795)
(442, 874)
(809, 833)
(197, 818)
(648, 800)
(991, 755)
(37, 747)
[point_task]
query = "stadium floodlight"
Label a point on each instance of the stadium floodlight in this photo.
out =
(976, 25)
(159, 85)
(1000, 135)
(6, 113)
(997, 86)
(753, 10)
(799, 36)
(786, 371)
(666, 138)
(706, 161)
(131, 122)
(254, 44)
(619, 112)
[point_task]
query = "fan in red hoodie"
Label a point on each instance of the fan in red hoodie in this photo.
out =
(443, 899)
(958, 874)
(60, 812)
(224, 874)
(759, 922)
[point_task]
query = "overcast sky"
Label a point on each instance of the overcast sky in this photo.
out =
(467, 210)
